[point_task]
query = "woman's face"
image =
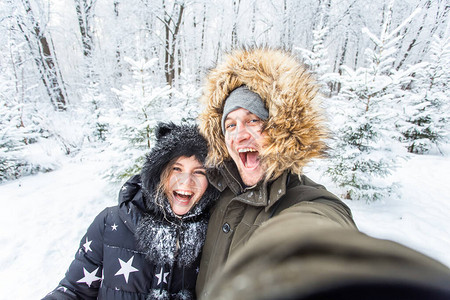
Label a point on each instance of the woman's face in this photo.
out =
(186, 184)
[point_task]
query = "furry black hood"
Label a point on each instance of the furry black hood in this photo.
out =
(173, 141)
(163, 236)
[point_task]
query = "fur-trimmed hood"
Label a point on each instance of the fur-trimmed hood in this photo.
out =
(295, 127)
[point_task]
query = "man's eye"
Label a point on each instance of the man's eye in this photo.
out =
(230, 126)
(255, 121)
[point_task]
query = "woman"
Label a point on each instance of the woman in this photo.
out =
(149, 246)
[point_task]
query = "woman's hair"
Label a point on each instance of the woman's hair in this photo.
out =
(162, 186)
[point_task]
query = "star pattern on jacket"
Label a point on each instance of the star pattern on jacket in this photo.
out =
(162, 277)
(114, 227)
(87, 245)
(89, 277)
(126, 268)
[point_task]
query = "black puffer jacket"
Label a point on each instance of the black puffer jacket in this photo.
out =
(140, 249)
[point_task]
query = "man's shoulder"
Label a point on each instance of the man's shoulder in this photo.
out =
(301, 190)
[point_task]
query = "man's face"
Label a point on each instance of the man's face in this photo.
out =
(244, 141)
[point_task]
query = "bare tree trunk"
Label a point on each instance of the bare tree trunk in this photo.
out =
(118, 51)
(84, 14)
(44, 57)
(172, 23)
(253, 24)
(440, 19)
(200, 52)
(234, 37)
(414, 40)
(342, 60)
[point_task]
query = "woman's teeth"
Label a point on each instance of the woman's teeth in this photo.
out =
(183, 194)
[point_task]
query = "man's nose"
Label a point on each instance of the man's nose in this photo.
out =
(242, 133)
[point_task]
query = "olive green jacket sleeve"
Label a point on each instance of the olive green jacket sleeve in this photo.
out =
(304, 254)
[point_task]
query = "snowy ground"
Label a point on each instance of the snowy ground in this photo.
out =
(44, 216)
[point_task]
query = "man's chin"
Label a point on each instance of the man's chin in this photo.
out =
(250, 177)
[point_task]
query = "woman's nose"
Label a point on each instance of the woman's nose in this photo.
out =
(186, 179)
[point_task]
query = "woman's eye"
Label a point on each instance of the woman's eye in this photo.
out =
(203, 173)
(177, 169)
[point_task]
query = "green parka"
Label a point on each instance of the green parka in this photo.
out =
(239, 213)
(288, 234)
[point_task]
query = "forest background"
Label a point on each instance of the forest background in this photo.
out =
(90, 79)
(101, 73)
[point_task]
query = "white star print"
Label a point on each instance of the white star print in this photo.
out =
(124, 188)
(162, 277)
(126, 268)
(89, 277)
(61, 288)
(114, 227)
(87, 245)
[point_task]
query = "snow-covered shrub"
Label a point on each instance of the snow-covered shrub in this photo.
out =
(426, 116)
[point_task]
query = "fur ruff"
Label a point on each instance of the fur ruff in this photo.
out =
(158, 232)
(164, 295)
(295, 128)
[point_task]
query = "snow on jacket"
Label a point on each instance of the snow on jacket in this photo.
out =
(140, 249)
(287, 236)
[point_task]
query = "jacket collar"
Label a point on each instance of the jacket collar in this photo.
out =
(263, 194)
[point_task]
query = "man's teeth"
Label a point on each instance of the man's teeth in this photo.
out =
(246, 150)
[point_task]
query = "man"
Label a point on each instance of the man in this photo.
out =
(263, 125)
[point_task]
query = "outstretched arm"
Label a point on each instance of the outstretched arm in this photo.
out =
(303, 254)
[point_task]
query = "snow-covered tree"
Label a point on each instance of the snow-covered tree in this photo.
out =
(17, 133)
(131, 126)
(317, 58)
(364, 152)
(426, 109)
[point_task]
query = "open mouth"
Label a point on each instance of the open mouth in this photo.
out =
(249, 157)
(183, 196)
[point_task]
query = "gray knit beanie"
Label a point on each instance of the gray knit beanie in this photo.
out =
(242, 97)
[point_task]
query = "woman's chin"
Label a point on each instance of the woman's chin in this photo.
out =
(181, 210)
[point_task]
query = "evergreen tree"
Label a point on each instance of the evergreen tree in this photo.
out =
(426, 113)
(17, 133)
(317, 58)
(364, 152)
(131, 126)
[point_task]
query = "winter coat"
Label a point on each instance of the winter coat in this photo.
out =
(239, 213)
(286, 209)
(295, 135)
(140, 249)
